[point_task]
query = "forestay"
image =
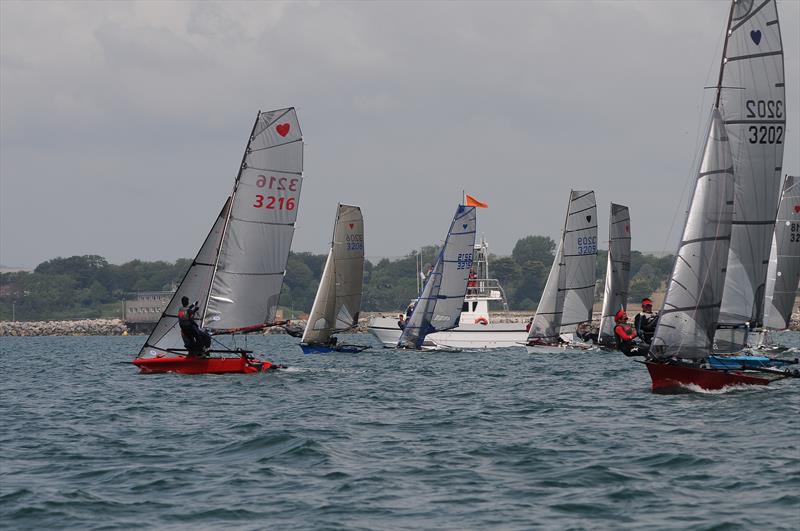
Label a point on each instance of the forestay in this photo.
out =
(338, 301)
(439, 306)
(783, 274)
(753, 105)
(238, 273)
(569, 292)
(615, 296)
(689, 317)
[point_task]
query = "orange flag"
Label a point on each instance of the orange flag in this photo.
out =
(471, 201)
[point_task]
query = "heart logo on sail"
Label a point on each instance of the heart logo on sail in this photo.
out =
(465, 226)
(283, 129)
(351, 225)
(627, 228)
(589, 219)
(797, 209)
(756, 36)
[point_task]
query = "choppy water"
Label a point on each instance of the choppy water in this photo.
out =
(382, 440)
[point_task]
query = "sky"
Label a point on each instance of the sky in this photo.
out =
(122, 124)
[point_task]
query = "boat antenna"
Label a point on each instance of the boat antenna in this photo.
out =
(724, 59)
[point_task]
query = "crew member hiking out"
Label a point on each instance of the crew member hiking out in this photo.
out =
(196, 340)
(626, 336)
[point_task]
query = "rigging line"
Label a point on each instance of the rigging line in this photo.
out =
(268, 170)
(273, 146)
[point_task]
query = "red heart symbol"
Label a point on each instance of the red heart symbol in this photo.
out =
(282, 129)
(351, 225)
(627, 228)
(797, 209)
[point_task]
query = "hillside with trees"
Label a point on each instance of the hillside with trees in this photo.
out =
(88, 286)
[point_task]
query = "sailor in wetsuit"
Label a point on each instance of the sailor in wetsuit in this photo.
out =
(196, 340)
(626, 336)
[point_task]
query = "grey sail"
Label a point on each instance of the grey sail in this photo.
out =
(688, 320)
(252, 258)
(195, 284)
(439, 306)
(579, 253)
(753, 104)
(783, 274)
(615, 296)
(569, 292)
(338, 301)
(546, 324)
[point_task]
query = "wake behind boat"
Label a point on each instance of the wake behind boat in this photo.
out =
(237, 275)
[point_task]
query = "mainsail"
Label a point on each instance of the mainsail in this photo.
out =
(783, 273)
(751, 97)
(338, 301)
(615, 296)
(238, 273)
(689, 317)
(569, 292)
(439, 306)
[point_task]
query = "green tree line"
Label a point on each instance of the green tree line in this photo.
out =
(88, 286)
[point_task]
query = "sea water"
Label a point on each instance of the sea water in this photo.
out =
(385, 440)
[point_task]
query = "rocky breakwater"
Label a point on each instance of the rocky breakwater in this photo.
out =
(82, 327)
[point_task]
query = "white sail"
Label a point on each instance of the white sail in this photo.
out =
(615, 296)
(784, 266)
(255, 247)
(569, 292)
(439, 306)
(752, 101)
(166, 335)
(689, 317)
(238, 272)
(580, 260)
(338, 301)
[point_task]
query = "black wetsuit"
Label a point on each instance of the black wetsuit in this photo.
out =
(194, 338)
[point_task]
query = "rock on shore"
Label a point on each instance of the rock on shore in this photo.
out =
(82, 327)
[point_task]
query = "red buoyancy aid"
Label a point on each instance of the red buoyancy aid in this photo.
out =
(625, 332)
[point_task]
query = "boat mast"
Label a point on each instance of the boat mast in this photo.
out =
(242, 166)
(724, 59)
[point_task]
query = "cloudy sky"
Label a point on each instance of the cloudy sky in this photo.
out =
(122, 124)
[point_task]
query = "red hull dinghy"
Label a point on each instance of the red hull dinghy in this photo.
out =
(237, 275)
(244, 364)
(668, 377)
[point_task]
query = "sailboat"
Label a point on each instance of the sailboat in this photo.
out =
(439, 305)
(718, 276)
(338, 301)
(568, 294)
(618, 267)
(783, 272)
(237, 275)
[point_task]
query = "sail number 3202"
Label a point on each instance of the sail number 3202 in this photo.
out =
(764, 134)
(276, 202)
